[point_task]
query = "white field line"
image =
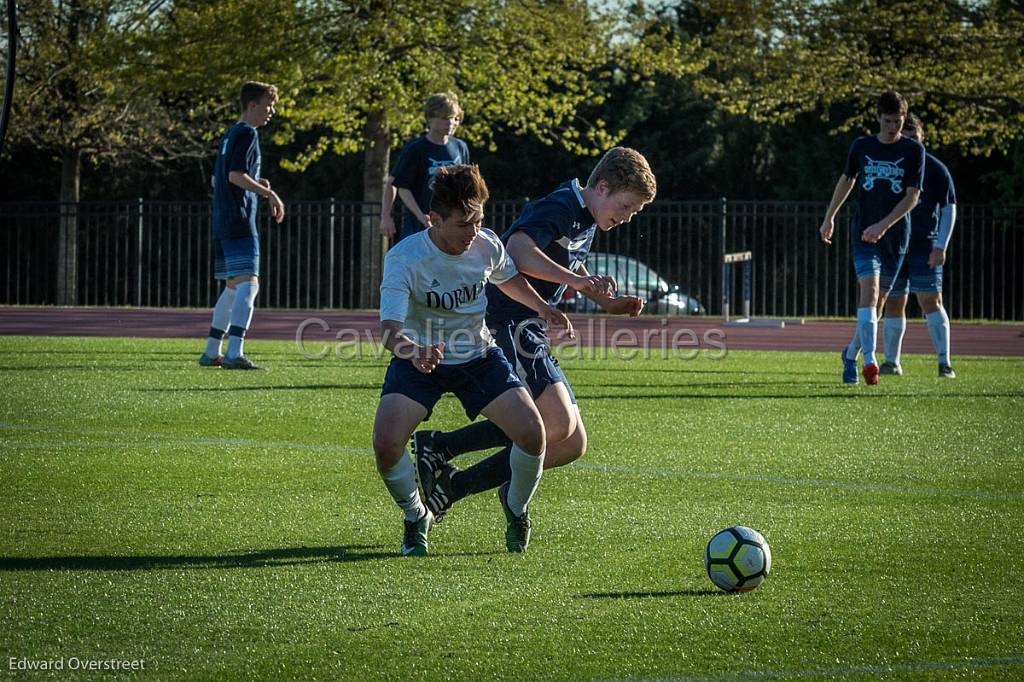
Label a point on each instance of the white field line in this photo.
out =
(160, 440)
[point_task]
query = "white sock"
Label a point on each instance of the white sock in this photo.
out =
(241, 316)
(867, 326)
(401, 483)
(219, 325)
(853, 349)
(892, 336)
(938, 329)
(526, 472)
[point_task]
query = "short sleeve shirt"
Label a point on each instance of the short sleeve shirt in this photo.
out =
(884, 172)
(563, 229)
(234, 209)
(440, 297)
(417, 164)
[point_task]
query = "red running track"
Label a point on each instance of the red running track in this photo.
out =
(967, 339)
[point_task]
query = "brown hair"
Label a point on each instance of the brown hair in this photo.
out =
(892, 102)
(458, 187)
(912, 122)
(625, 170)
(442, 105)
(254, 91)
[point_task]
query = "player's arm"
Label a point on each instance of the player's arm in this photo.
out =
(261, 188)
(423, 358)
(875, 232)
(532, 261)
(520, 291)
(387, 202)
(616, 305)
(843, 187)
(947, 218)
(410, 202)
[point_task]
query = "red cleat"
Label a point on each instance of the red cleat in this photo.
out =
(870, 374)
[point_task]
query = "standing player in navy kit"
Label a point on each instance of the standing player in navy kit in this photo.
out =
(432, 310)
(236, 185)
(890, 169)
(931, 225)
(418, 162)
(549, 243)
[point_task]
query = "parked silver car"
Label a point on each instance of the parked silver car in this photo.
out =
(635, 278)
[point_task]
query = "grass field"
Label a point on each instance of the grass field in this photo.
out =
(230, 525)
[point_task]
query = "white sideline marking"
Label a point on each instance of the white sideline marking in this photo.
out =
(171, 440)
(828, 673)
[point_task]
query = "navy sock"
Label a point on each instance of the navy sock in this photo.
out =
(484, 475)
(482, 435)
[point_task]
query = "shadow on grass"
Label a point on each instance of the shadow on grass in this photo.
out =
(854, 394)
(650, 595)
(215, 389)
(268, 558)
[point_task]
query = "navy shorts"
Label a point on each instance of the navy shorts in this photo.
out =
(234, 257)
(527, 345)
(475, 383)
(915, 276)
(868, 259)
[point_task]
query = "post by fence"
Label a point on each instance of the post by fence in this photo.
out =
(328, 254)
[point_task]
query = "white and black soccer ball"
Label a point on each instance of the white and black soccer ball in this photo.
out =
(738, 559)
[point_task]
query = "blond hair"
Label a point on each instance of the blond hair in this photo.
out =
(625, 170)
(442, 105)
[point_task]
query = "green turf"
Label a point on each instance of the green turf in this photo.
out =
(224, 525)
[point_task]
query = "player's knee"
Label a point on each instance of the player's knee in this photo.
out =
(930, 303)
(531, 435)
(895, 306)
(387, 450)
(559, 427)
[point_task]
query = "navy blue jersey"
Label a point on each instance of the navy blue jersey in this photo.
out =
(417, 164)
(563, 229)
(234, 209)
(938, 192)
(883, 172)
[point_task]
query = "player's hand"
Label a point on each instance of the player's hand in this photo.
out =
(276, 207)
(555, 317)
(873, 233)
(625, 305)
(387, 226)
(427, 358)
(937, 258)
(595, 285)
(826, 230)
(264, 182)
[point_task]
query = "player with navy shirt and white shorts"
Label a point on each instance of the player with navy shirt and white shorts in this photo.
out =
(931, 225)
(549, 243)
(433, 301)
(889, 171)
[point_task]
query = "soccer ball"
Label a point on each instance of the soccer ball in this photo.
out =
(738, 559)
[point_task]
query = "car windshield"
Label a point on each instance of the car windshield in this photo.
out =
(632, 276)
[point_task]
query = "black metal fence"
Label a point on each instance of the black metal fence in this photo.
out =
(328, 254)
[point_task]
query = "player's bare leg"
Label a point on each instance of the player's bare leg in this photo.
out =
(397, 417)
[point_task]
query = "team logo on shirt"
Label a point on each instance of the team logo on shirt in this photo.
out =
(440, 163)
(450, 300)
(883, 170)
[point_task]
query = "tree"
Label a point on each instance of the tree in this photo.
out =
(75, 101)
(959, 63)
